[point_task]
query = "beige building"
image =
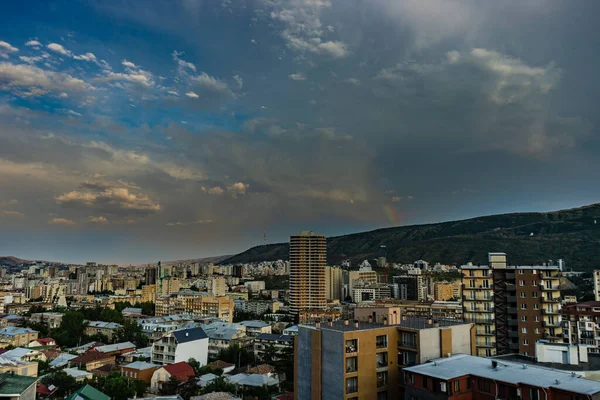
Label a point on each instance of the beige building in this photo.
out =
(308, 257)
(446, 290)
(217, 286)
(378, 315)
(196, 304)
(333, 283)
(17, 336)
(364, 360)
(167, 286)
(149, 293)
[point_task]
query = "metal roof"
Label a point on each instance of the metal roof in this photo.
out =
(508, 372)
(189, 335)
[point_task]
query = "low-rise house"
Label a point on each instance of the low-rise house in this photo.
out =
(216, 396)
(243, 380)
(24, 354)
(132, 312)
(45, 391)
(144, 353)
(51, 319)
(274, 344)
(107, 329)
(17, 367)
(181, 371)
(17, 387)
(78, 374)
(116, 349)
(17, 336)
(139, 370)
(222, 365)
(88, 393)
(44, 342)
(62, 360)
(105, 370)
(181, 345)
(84, 347)
(11, 320)
(206, 379)
(255, 328)
(292, 330)
(92, 360)
(224, 334)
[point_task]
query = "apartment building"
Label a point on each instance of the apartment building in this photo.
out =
(51, 319)
(17, 336)
(181, 345)
(104, 328)
(512, 306)
(278, 344)
(308, 258)
(464, 377)
(333, 283)
(364, 360)
(196, 304)
(581, 326)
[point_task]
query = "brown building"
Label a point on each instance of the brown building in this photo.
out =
(196, 304)
(92, 360)
(139, 370)
(362, 360)
(464, 377)
(445, 290)
(308, 258)
(512, 306)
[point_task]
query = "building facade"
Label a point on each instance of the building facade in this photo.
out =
(308, 258)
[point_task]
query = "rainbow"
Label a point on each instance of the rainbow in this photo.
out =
(392, 214)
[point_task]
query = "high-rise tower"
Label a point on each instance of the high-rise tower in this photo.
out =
(308, 257)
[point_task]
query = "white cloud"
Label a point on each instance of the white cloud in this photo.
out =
(128, 64)
(298, 76)
(216, 191)
(109, 199)
(238, 79)
(6, 48)
(98, 220)
(27, 80)
(182, 64)
(211, 84)
(253, 41)
(57, 48)
(33, 43)
(238, 188)
(9, 213)
(192, 95)
(31, 60)
(90, 57)
(173, 93)
(353, 81)
(198, 222)
(62, 221)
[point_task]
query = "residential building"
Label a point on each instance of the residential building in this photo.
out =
(378, 314)
(44, 342)
(92, 359)
(149, 293)
(17, 387)
(581, 326)
(446, 290)
(116, 348)
(467, 377)
(333, 283)
(88, 393)
(362, 360)
(512, 306)
(196, 304)
(78, 374)
(411, 287)
(279, 345)
(139, 370)
(255, 328)
(364, 275)
(427, 309)
(308, 257)
(217, 286)
(223, 334)
(17, 336)
(181, 345)
(596, 277)
(107, 329)
(181, 371)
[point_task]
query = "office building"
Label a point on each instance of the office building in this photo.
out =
(308, 257)
(512, 306)
(364, 360)
(333, 283)
(466, 377)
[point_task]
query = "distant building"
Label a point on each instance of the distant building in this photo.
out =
(333, 283)
(88, 393)
(104, 328)
(597, 284)
(17, 387)
(278, 343)
(139, 370)
(308, 258)
(180, 371)
(16, 336)
(196, 304)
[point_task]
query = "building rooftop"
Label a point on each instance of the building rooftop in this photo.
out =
(77, 373)
(254, 324)
(15, 384)
(88, 393)
(132, 310)
(407, 322)
(15, 330)
(189, 335)
(181, 370)
(506, 371)
(109, 348)
(275, 337)
(104, 325)
(141, 365)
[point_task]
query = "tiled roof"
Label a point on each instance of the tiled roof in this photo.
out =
(220, 364)
(181, 370)
(260, 369)
(88, 393)
(90, 356)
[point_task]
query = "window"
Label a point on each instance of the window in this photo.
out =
(483, 385)
(521, 283)
(473, 307)
(521, 272)
(352, 346)
(534, 283)
(381, 341)
(351, 385)
(411, 379)
(523, 330)
(524, 318)
(536, 306)
(533, 394)
(471, 272)
(443, 387)
(522, 295)
(382, 396)
(351, 364)
(382, 379)
(523, 306)
(382, 360)
(425, 382)
(535, 295)
(537, 331)
(525, 342)
(456, 386)
(468, 384)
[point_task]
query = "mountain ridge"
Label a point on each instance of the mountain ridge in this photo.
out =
(527, 238)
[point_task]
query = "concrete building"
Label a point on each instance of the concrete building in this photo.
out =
(217, 286)
(581, 327)
(196, 304)
(308, 257)
(51, 319)
(466, 377)
(17, 337)
(358, 360)
(105, 328)
(149, 293)
(139, 370)
(180, 371)
(280, 344)
(446, 290)
(181, 345)
(512, 306)
(597, 284)
(333, 283)
(378, 314)
(365, 275)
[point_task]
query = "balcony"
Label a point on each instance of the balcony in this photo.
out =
(483, 310)
(511, 299)
(512, 310)
(510, 275)
(513, 334)
(510, 287)
(484, 333)
(548, 324)
(407, 344)
(550, 312)
(551, 300)
(485, 344)
(549, 288)
(550, 335)
(513, 322)
(513, 346)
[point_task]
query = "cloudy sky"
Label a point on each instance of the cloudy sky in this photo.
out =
(137, 131)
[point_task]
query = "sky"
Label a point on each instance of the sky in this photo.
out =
(138, 131)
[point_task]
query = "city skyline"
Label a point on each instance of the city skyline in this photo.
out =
(132, 133)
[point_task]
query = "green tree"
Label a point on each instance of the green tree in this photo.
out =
(188, 388)
(110, 315)
(131, 331)
(219, 384)
(148, 308)
(65, 383)
(115, 386)
(71, 329)
(235, 354)
(139, 386)
(43, 367)
(169, 388)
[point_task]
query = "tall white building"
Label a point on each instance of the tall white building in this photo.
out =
(597, 284)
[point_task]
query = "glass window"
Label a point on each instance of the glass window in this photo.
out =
(521, 283)
(523, 330)
(352, 385)
(382, 360)
(425, 382)
(522, 295)
(381, 342)
(523, 318)
(382, 395)
(351, 364)
(523, 306)
(382, 379)
(352, 346)
(456, 386)
(525, 342)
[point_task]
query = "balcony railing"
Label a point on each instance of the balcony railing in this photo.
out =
(551, 324)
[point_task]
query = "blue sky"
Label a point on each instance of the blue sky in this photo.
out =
(137, 131)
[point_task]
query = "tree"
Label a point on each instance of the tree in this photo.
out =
(270, 354)
(71, 329)
(219, 385)
(147, 307)
(115, 386)
(189, 388)
(64, 382)
(131, 331)
(43, 367)
(235, 354)
(110, 315)
(169, 388)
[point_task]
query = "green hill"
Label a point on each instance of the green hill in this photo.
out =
(527, 238)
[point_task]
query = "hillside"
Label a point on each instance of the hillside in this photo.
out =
(14, 262)
(527, 238)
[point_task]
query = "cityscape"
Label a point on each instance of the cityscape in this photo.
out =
(299, 200)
